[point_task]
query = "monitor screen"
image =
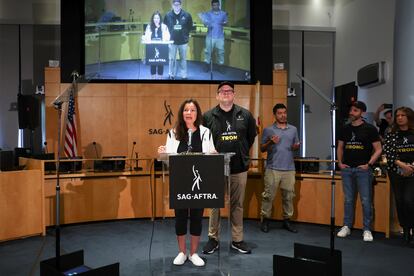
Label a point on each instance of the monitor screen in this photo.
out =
(167, 40)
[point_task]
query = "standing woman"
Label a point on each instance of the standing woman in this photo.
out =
(156, 31)
(399, 149)
(189, 118)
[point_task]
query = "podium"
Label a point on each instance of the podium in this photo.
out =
(196, 180)
(156, 52)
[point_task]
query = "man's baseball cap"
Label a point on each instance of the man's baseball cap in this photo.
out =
(360, 105)
(175, 1)
(225, 83)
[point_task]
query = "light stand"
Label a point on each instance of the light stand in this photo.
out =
(309, 259)
(332, 112)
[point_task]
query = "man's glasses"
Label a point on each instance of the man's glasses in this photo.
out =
(226, 91)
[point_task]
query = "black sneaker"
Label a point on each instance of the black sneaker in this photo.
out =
(211, 246)
(241, 246)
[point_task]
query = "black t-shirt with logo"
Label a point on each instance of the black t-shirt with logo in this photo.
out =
(358, 141)
(405, 146)
(196, 145)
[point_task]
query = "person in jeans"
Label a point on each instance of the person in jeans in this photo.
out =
(234, 130)
(180, 24)
(279, 140)
(359, 146)
(214, 20)
(399, 149)
(189, 117)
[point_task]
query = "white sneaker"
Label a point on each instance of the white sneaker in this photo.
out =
(196, 260)
(367, 236)
(180, 259)
(345, 231)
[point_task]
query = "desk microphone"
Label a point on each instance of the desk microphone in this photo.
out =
(45, 147)
(96, 150)
(132, 155)
(190, 134)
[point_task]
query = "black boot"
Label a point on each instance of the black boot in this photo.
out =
(288, 226)
(264, 225)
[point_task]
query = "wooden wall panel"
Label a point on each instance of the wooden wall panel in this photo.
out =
(115, 115)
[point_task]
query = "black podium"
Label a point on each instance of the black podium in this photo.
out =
(156, 52)
(196, 180)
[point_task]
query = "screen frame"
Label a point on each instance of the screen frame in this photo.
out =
(73, 46)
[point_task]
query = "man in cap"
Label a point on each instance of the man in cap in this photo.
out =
(180, 24)
(234, 130)
(359, 146)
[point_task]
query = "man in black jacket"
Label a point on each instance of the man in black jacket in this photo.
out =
(234, 130)
(180, 24)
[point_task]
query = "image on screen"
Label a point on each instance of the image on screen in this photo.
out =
(200, 40)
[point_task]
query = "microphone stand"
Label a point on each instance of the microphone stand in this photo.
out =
(333, 108)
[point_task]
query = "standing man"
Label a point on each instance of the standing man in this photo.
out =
(214, 20)
(279, 140)
(234, 130)
(384, 124)
(359, 147)
(180, 24)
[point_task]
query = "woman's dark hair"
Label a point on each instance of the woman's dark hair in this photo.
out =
(180, 126)
(152, 20)
(410, 116)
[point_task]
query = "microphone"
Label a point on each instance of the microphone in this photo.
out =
(190, 134)
(132, 153)
(96, 150)
(45, 147)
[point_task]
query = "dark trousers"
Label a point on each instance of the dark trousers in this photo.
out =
(154, 69)
(181, 218)
(403, 188)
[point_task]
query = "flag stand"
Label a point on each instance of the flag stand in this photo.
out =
(72, 263)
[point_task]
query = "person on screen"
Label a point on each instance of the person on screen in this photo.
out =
(180, 24)
(214, 20)
(359, 147)
(189, 118)
(279, 140)
(156, 31)
(234, 130)
(399, 149)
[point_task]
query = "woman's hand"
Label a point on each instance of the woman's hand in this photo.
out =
(162, 149)
(407, 169)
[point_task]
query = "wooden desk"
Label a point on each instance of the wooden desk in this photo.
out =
(313, 201)
(21, 204)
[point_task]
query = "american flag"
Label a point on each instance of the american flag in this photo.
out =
(70, 133)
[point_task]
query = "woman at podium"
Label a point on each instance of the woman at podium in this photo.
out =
(156, 31)
(188, 135)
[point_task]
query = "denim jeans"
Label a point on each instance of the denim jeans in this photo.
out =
(178, 67)
(357, 180)
(211, 44)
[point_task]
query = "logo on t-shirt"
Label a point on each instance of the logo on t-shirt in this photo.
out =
(228, 128)
(405, 140)
(353, 137)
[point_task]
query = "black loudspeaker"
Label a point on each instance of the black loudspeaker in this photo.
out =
(28, 110)
(309, 260)
(73, 264)
(344, 96)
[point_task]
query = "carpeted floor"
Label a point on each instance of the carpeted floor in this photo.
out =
(128, 242)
